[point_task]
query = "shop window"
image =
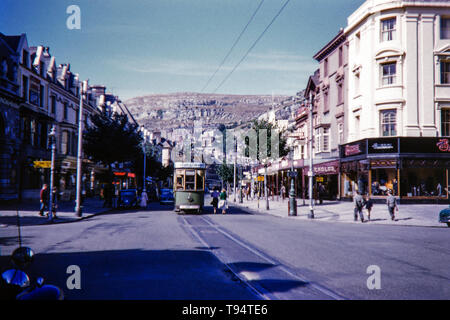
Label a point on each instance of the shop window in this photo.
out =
(388, 73)
(388, 123)
(388, 29)
(445, 72)
(445, 122)
(41, 96)
(384, 180)
(423, 182)
(445, 28)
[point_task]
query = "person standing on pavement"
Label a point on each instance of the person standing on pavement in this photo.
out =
(359, 204)
(368, 204)
(44, 196)
(144, 199)
(391, 202)
(283, 191)
(223, 201)
(215, 199)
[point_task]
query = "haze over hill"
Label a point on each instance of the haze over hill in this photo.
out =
(180, 110)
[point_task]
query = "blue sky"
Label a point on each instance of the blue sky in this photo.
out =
(138, 47)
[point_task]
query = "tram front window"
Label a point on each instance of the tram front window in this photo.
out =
(190, 179)
(200, 178)
(180, 178)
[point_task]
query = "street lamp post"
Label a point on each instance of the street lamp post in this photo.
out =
(311, 170)
(52, 136)
(83, 90)
(145, 158)
(266, 193)
(292, 200)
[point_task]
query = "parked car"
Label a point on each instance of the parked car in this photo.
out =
(166, 196)
(128, 198)
(444, 216)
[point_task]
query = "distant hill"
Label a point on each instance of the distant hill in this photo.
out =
(180, 110)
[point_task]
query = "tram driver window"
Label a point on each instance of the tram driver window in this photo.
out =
(190, 179)
(180, 178)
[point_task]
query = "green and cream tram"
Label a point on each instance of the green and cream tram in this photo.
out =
(189, 186)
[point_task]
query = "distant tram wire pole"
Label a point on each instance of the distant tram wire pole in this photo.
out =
(253, 45)
(234, 44)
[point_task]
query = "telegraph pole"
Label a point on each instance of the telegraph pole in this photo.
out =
(311, 170)
(83, 91)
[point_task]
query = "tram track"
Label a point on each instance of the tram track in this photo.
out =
(261, 280)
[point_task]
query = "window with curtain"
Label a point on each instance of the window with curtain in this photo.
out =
(388, 73)
(445, 72)
(388, 29)
(388, 122)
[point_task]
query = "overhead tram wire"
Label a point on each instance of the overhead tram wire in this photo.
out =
(234, 44)
(253, 45)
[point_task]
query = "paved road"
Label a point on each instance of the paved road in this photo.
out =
(156, 254)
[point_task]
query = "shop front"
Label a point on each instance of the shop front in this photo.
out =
(326, 179)
(414, 169)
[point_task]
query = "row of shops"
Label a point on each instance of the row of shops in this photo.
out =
(415, 169)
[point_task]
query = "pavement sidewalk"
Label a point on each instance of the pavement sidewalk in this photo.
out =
(425, 215)
(29, 212)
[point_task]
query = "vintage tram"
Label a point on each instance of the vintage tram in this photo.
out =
(189, 186)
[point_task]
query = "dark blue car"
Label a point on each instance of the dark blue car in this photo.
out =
(444, 216)
(166, 196)
(128, 198)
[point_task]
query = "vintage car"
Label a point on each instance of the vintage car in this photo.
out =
(444, 216)
(128, 198)
(166, 196)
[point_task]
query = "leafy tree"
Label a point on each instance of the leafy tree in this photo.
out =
(257, 149)
(225, 172)
(112, 139)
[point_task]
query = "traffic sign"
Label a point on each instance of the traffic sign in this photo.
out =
(293, 174)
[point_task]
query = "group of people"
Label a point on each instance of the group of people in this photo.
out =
(219, 200)
(361, 203)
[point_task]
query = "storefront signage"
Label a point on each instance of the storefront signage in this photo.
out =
(424, 145)
(324, 168)
(42, 164)
(353, 149)
(385, 145)
(443, 145)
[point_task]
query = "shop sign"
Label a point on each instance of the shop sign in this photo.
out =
(425, 145)
(383, 163)
(324, 169)
(260, 178)
(443, 145)
(319, 179)
(383, 145)
(42, 164)
(353, 149)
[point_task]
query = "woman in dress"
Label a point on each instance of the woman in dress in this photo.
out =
(215, 199)
(223, 201)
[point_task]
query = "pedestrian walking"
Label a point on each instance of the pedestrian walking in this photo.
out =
(283, 191)
(223, 201)
(391, 202)
(359, 204)
(44, 196)
(321, 192)
(144, 199)
(215, 199)
(368, 204)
